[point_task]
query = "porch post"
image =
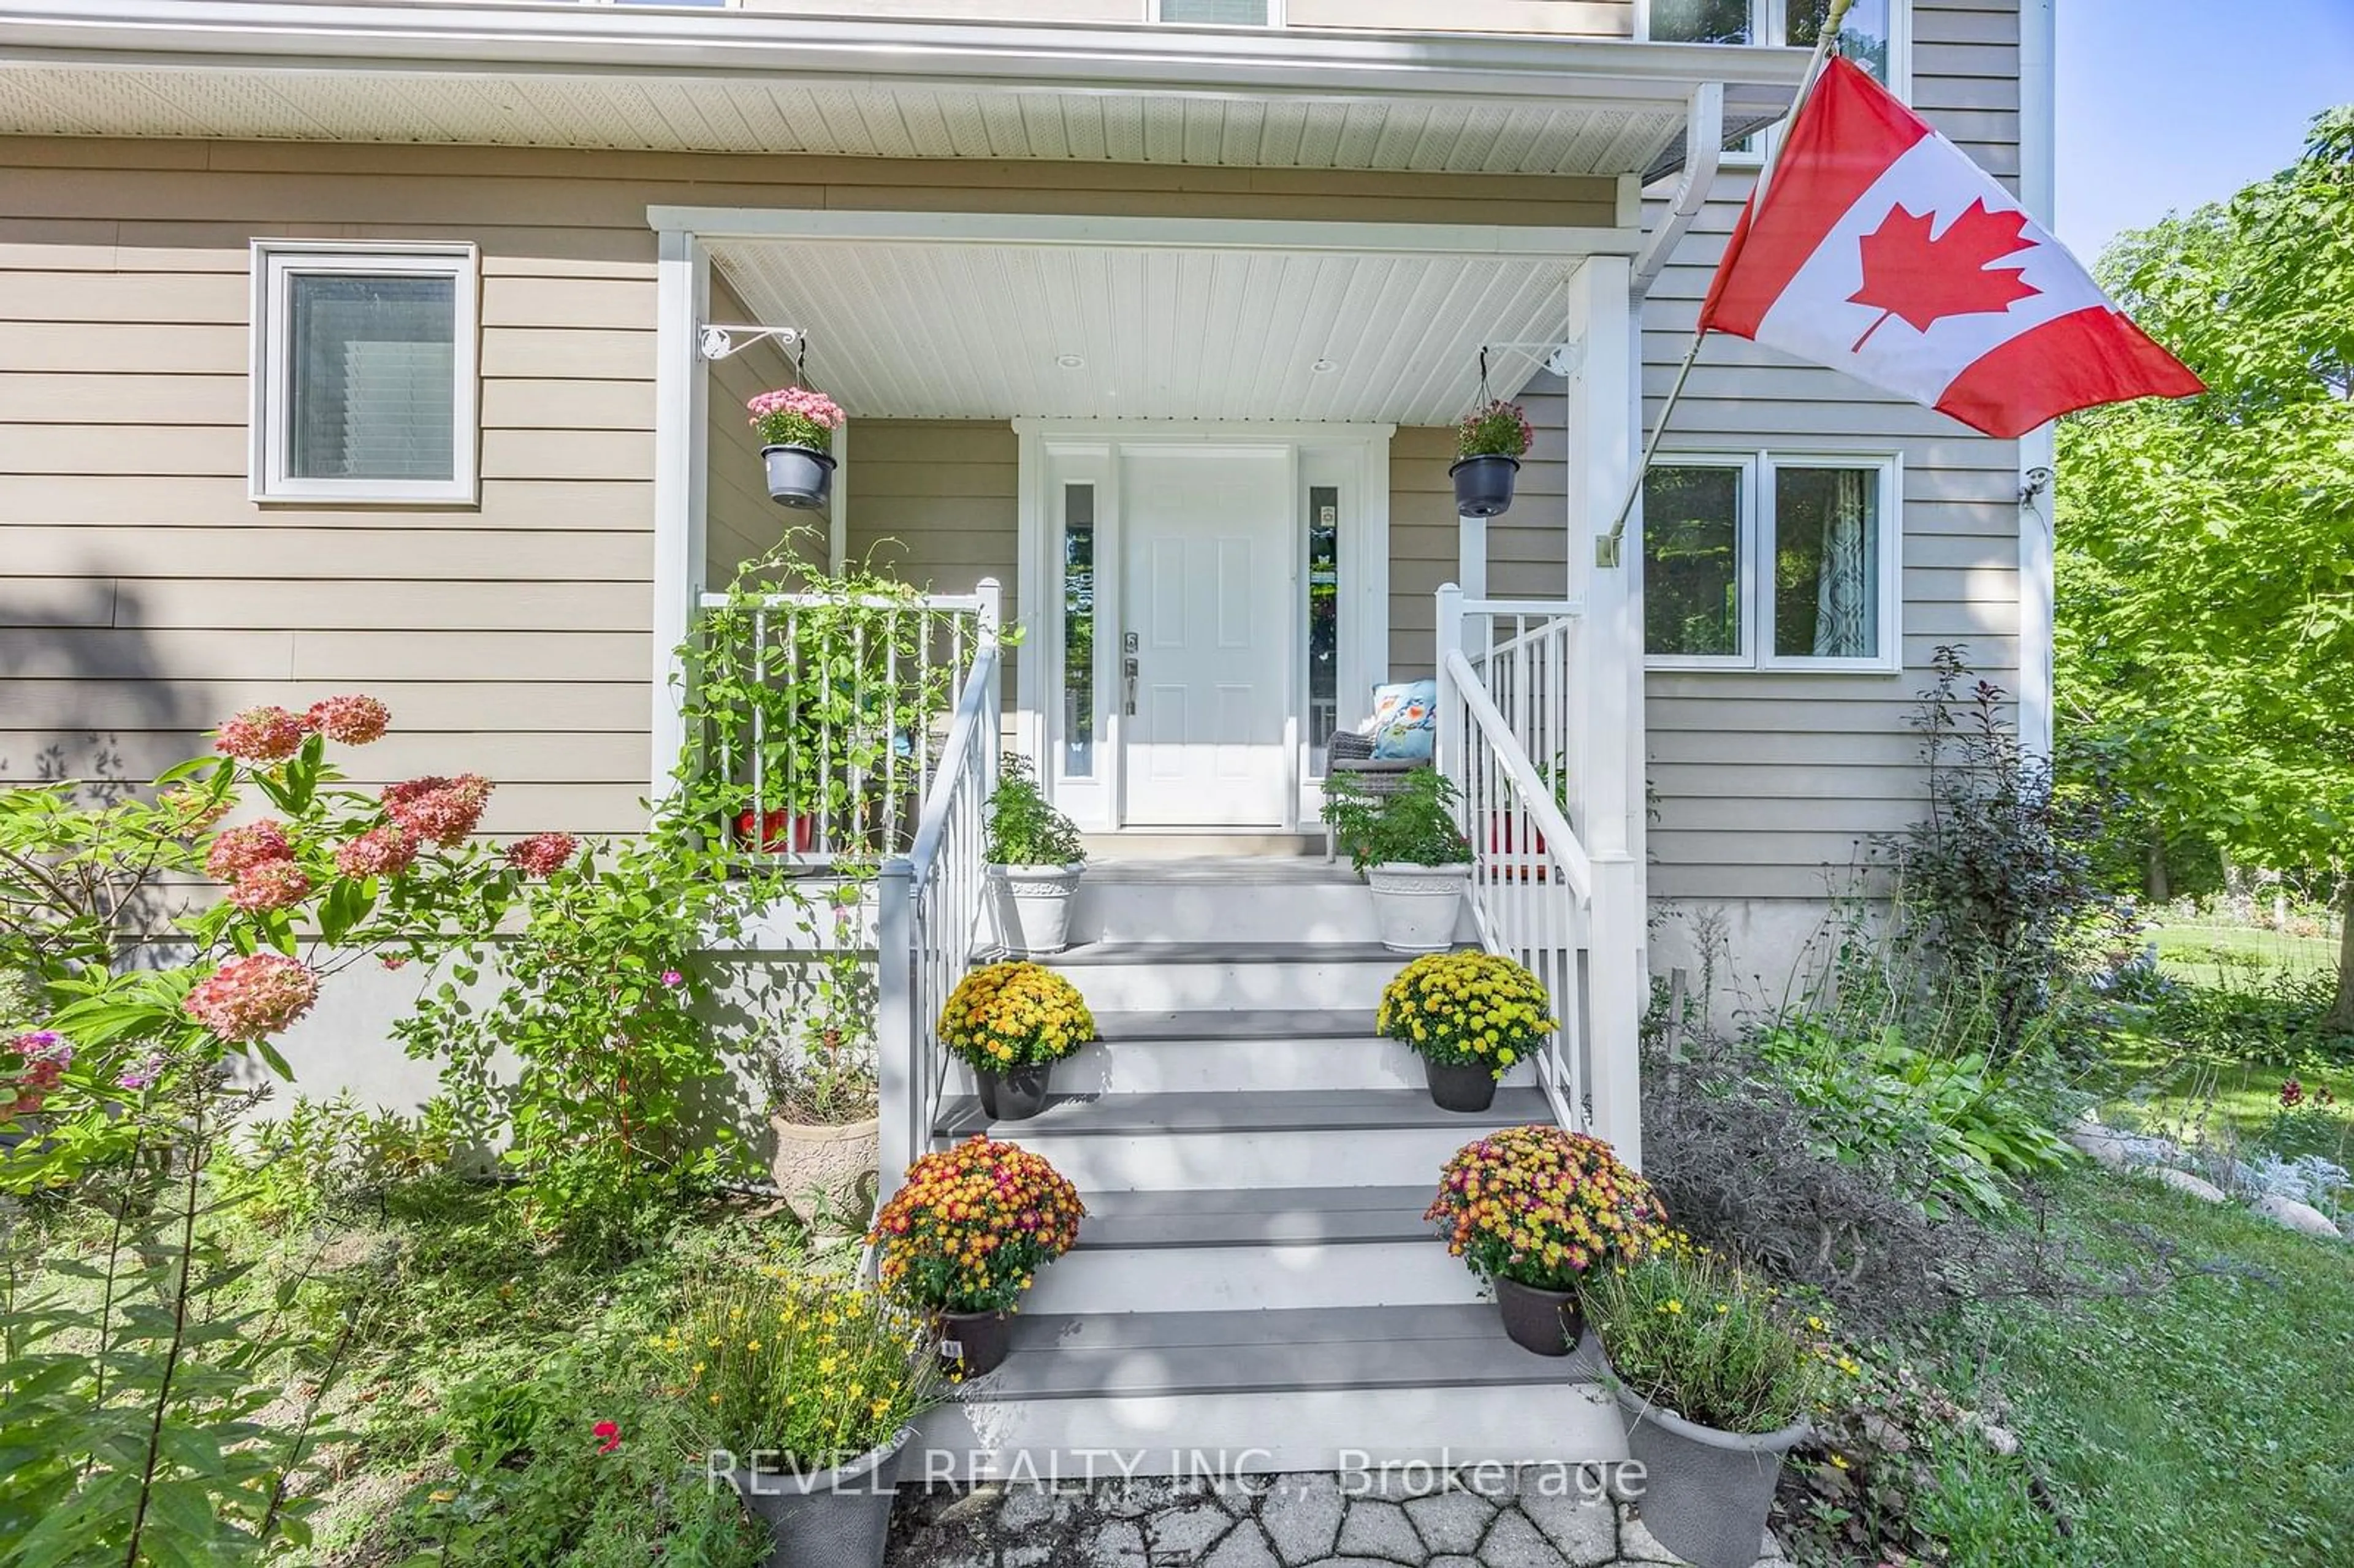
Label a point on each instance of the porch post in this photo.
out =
(1604, 431)
(898, 1046)
(1449, 733)
(682, 386)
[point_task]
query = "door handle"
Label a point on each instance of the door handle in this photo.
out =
(1128, 676)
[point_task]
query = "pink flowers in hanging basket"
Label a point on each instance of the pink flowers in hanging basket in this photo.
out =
(253, 997)
(1495, 429)
(439, 810)
(795, 416)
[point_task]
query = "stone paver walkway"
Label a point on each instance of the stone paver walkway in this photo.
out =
(1535, 1518)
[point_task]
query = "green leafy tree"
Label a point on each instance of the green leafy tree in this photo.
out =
(2206, 546)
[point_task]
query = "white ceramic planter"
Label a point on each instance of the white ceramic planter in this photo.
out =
(835, 1160)
(1417, 906)
(1034, 905)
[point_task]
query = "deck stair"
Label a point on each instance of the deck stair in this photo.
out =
(1255, 1288)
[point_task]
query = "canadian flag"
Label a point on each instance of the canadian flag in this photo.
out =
(1882, 250)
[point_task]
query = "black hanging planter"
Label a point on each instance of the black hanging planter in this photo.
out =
(799, 476)
(1459, 1088)
(1017, 1095)
(1484, 484)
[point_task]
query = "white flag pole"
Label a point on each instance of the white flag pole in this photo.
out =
(1606, 548)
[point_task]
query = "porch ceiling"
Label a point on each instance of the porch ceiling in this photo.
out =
(915, 330)
(668, 78)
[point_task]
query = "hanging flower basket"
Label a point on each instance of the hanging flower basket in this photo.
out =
(1488, 445)
(797, 426)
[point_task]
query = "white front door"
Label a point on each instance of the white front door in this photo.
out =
(1204, 666)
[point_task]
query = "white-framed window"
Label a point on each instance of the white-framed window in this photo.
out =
(1217, 13)
(1773, 561)
(364, 372)
(1876, 34)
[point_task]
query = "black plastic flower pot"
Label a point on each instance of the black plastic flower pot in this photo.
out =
(829, 1519)
(1706, 1493)
(974, 1344)
(1546, 1321)
(798, 476)
(1017, 1095)
(1483, 485)
(1453, 1089)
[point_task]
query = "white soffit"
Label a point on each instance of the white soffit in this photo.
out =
(918, 330)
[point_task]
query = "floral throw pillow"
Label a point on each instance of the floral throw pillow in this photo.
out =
(1405, 722)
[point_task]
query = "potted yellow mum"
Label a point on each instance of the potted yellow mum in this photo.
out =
(1011, 1023)
(1469, 1016)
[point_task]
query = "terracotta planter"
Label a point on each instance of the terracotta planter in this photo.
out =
(1417, 907)
(833, 1519)
(974, 1344)
(799, 477)
(1483, 485)
(834, 1159)
(1546, 1321)
(1457, 1088)
(1034, 905)
(1706, 1493)
(1017, 1095)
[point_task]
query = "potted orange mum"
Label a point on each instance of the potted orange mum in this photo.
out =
(1011, 1023)
(1530, 1209)
(966, 1235)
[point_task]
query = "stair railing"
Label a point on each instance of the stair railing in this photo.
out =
(1505, 673)
(931, 904)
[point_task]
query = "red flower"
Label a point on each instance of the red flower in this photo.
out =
(611, 1434)
(2292, 1094)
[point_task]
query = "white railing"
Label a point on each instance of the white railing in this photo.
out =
(826, 740)
(1506, 674)
(930, 905)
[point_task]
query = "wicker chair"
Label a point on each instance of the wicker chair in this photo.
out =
(1351, 755)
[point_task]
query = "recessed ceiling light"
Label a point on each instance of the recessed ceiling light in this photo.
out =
(1323, 368)
(1070, 361)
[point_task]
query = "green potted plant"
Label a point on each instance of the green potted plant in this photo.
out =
(1403, 839)
(1011, 1023)
(1533, 1209)
(1489, 446)
(964, 1236)
(1469, 1016)
(825, 1112)
(797, 426)
(1034, 859)
(808, 1391)
(1715, 1375)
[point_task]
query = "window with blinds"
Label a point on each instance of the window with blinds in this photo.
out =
(363, 374)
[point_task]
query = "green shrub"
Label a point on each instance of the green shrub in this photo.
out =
(1412, 825)
(1022, 828)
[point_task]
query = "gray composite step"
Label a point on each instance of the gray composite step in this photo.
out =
(1237, 1023)
(1088, 954)
(1255, 1216)
(1092, 1355)
(1249, 1110)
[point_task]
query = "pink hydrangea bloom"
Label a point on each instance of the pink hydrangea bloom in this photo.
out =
(813, 406)
(384, 851)
(248, 998)
(262, 735)
(354, 719)
(542, 855)
(440, 810)
(272, 884)
(239, 850)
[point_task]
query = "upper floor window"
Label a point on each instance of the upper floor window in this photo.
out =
(1221, 13)
(362, 372)
(1869, 37)
(1771, 560)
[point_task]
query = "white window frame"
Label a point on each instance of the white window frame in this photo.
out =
(1769, 29)
(1755, 547)
(276, 264)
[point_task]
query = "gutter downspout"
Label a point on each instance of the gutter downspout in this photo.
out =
(2038, 492)
(1703, 144)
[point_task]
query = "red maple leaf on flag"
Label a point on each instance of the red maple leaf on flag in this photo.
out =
(1907, 273)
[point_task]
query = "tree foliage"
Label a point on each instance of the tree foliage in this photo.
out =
(2206, 545)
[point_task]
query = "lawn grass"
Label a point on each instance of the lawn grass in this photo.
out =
(2208, 1423)
(2209, 953)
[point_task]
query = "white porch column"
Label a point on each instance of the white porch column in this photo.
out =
(681, 387)
(1604, 439)
(1471, 556)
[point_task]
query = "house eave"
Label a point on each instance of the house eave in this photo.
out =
(261, 39)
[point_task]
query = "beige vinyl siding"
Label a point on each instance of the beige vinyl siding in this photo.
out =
(144, 595)
(741, 523)
(1768, 784)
